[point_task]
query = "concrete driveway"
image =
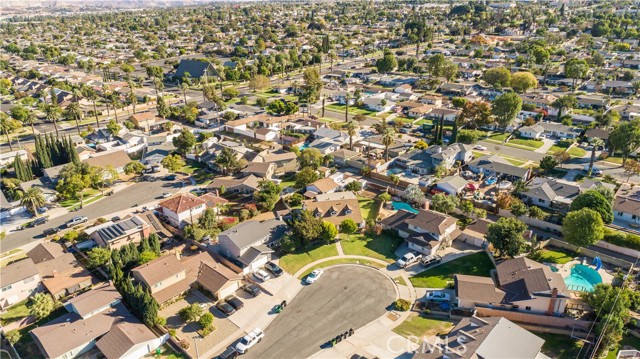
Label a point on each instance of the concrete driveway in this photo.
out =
(344, 297)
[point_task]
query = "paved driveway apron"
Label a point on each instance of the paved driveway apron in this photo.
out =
(344, 297)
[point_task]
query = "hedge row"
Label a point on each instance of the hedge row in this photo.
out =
(622, 239)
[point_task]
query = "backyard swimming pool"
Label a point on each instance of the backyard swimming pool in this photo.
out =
(403, 205)
(582, 278)
(303, 146)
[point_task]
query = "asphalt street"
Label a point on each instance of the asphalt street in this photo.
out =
(139, 193)
(344, 297)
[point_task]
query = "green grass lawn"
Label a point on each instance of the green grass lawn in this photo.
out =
(400, 281)
(417, 326)
(522, 143)
(295, 261)
(557, 172)
(198, 171)
(614, 159)
(573, 151)
(337, 261)
(88, 193)
(555, 255)
(352, 110)
(368, 208)
(559, 346)
(627, 340)
(477, 264)
(381, 247)
(288, 182)
(8, 260)
(15, 313)
(514, 161)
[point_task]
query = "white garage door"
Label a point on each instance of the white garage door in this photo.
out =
(259, 263)
(230, 290)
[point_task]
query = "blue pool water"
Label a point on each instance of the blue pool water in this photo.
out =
(403, 205)
(303, 146)
(582, 278)
(394, 171)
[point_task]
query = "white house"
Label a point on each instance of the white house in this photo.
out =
(533, 131)
(182, 208)
(378, 103)
(406, 89)
(452, 185)
(626, 205)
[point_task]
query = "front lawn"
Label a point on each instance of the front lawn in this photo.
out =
(514, 161)
(295, 261)
(477, 264)
(573, 151)
(198, 171)
(418, 326)
(87, 194)
(15, 313)
(555, 255)
(560, 346)
(523, 143)
(337, 261)
(381, 247)
(614, 159)
(353, 110)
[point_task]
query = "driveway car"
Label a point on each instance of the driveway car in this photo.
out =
(76, 220)
(273, 268)
(234, 302)
(262, 275)
(314, 276)
(437, 297)
(479, 148)
(430, 260)
(408, 259)
(166, 195)
(251, 289)
(226, 308)
(594, 171)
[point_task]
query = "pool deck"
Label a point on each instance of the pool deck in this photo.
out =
(565, 270)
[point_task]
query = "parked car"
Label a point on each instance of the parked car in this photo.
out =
(225, 308)
(229, 353)
(314, 276)
(251, 289)
(437, 296)
(430, 260)
(115, 218)
(479, 148)
(262, 275)
(594, 171)
(273, 268)
(51, 231)
(408, 259)
(39, 221)
(170, 177)
(249, 340)
(234, 301)
(76, 220)
(166, 195)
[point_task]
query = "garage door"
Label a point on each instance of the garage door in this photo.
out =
(229, 290)
(259, 263)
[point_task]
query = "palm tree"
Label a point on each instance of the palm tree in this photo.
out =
(52, 113)
(114, 99)
(31, 120)
(395, 180)
(332, 57)
(74, 111)
(388, 140)
(595, 143)
(352, 128)
(5, 125)
(184, 87)
(33, 199)
(157, 83)
(91, 94)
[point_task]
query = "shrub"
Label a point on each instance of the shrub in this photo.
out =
(206, 320)
(402, 305)
(161, 321)
(172, 332)
(184, 344)
(468, 136)
(622, 239)
(13, 336)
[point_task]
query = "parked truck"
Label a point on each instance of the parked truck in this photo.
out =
(249, 340)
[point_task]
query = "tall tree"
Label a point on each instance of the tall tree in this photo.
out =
(506, 236)
(52, 113)
(625, 138)
(388, 138)
(33, 199)
(583, 227)
(506, 107)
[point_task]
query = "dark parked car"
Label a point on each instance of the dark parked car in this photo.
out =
(225, 308)
(170, 177)
(39, 221)
(229, 353)
(273, 268)
(51, 231)
(234, 301)
(251, 289)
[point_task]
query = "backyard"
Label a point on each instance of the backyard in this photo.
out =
(15, 313)
(560, 346)
(380, 247)
(627, 340)
(368, 208)
(477, 264)
(554, 255)
(418, 326)
(293, 262)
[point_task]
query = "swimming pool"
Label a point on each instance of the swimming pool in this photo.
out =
(303, 146)
(393, 171)
(582, 278)
(403, 205)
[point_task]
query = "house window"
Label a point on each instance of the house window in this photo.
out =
(540, 200)
(6, 288)
(527, 308)
(620, 213)
(633, 217)
(333, 213)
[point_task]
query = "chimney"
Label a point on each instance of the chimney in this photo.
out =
(178, 254)
(217, 195)
(426, 205)
(552, 302)
(54, 273)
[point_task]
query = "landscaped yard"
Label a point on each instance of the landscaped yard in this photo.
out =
(90, 195)
(15, 313)
(295, 261)
(526, 144)
(368, 208)
(336, 261)
(614, 159)
(12, 256)
(381, 247)
(288, 182)
(555, 255)
(198, 171)
(559, 346)
(514, 161)
(573, 151)
(477, 264)
(418, 326)
(352, 110)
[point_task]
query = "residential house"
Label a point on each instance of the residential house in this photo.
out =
(593, 102)
(143, 120)
(431, 100)
(182, 209)
(195, 68)
(218, 280)
(610, 86)
(452, 185)
(600, 133)
(486, 338)
(115, 235)
(494, 165)
(534, 131)
(456, 89)
(260, 169)
(378, 103)
(425, 231)
(284, 161)
(323, 185)
(448, 115)
(521, 284)
(335, 207)
(60, 272)
(19, 281)
(96, 319)
(425, 161)
(244, 185)
(341, 157)
(48, 192)
(551, 193)
(559, 130)
(626, 205)
(403, 89)
(51, 174)
(475, 232)
(251, 242)
(117, 160)
(8, 157)
(419, 112)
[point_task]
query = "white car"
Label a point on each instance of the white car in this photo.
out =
(254, 337)
(479, 148)
(76, 220)
(166, 195)
(262, 275)
(594, 171)
(408, 259)
(314, 276)
(437, 297)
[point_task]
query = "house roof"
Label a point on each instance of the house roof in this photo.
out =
(122, 337)
(261, 168)
(250, 181)
(213, 200)
(627, 200)
(182, 202)
(254, 252)
(521, 277)
(17, 271)
(95, 299)
(60, 265)
(325, 184)
(159, 269)
(249, 232)
(117, 159)
(344, 206)
(456, 181)
(122, 228)
(551, 189)
(597, 133)
(497, 164)
(536, 128)
(431, 221)
(478, 227)
(480, 289)
(215, 277)
(45, 251)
